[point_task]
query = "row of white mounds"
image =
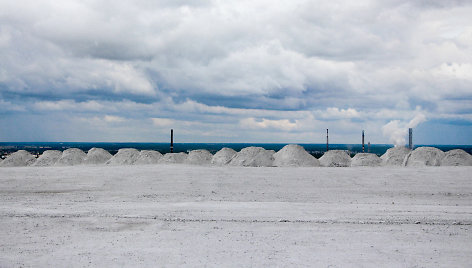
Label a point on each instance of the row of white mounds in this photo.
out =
(289, 155)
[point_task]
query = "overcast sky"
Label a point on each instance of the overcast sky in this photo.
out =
(236, 71)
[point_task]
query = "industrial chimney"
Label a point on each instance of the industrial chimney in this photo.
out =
(410, 138)
(171, 140)
(327, 141)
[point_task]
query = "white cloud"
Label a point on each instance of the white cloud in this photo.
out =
(337, 113)
(454, 71)
(162, 122)
(68, 105)
(283, 124)
(113, 119)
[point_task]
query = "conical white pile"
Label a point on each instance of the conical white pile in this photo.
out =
(173, 158)
(424, 156)
(71, 157)
(395, 156)
(253, 157)
(223, 156)
(148, 157)
(335, 158)
(294, 155)
(199, 157)
(48, 158)
(456, 157)
(97, 156)
(19, 158)
(365, 160)
(126, 156)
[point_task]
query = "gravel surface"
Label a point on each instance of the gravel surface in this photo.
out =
(182, 215)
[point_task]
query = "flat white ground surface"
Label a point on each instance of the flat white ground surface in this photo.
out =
(178, 215)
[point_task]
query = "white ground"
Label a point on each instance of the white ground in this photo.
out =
(180, 215)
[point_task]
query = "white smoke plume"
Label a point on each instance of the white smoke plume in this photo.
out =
(397, 130)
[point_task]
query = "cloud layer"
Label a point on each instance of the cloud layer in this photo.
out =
(234, 72)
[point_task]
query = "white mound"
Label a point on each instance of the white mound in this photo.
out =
(125, 156)
(254, 157)
(424, 156)
(223, 156)
(48, 158)
(365, 160)
(457, 157)
(148, 157)
(294, 155)
(19, 158)
(335, 158)
(173, 158)
(71, 157)
(395, 156)
(199, 157)
(97, 156)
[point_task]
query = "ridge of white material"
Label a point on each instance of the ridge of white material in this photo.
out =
(173, 158)
(223, 156)
(48, 158)
(424, 156)
(19, 158)
(71, 157)
(395, 156)
(335, 158)
(97, 156)
(199, 157)
(125, 156)
(366, 160)
(457, 157)
(148, 157)
(293, 155)
(253, 157)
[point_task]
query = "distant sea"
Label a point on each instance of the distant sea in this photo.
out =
(316, 150)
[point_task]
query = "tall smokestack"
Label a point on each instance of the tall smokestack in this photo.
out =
(363, 147)
(171, 140)
(327, 141)
(410, 138)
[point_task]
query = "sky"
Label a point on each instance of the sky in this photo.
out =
(236, 71)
